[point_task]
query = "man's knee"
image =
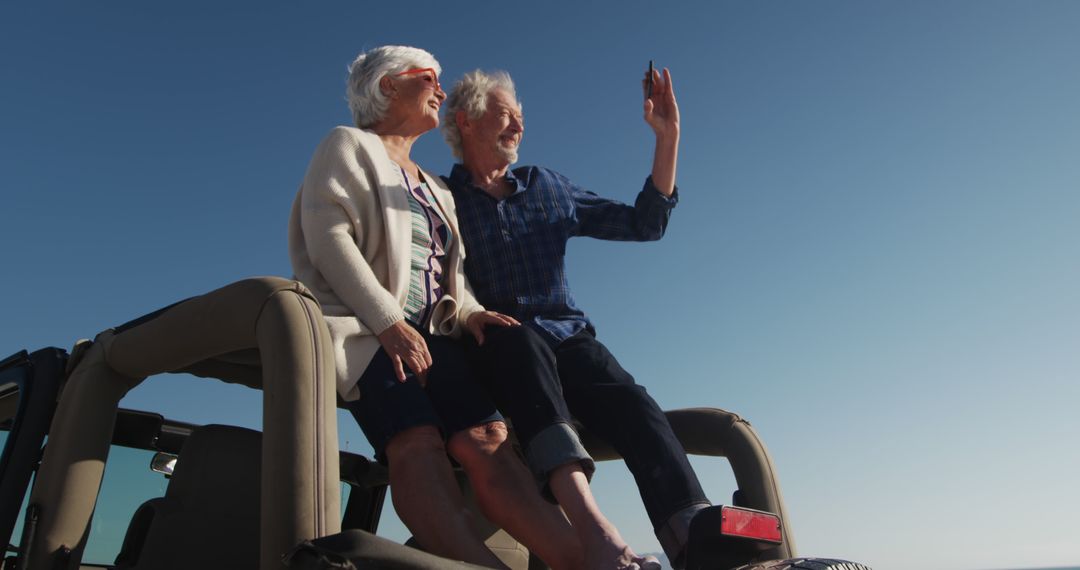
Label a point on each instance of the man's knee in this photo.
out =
(517, 339)
(613, 403)
(478, 442)
(414, 442)
(632, 394)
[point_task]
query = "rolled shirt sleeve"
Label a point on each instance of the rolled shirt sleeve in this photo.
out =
(608, 219)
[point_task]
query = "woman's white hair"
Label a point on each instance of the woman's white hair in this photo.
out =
(470, 94)
(366, 100)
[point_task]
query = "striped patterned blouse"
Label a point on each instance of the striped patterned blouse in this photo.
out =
(431, 237)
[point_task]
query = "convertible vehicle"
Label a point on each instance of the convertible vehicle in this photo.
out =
(218, 496)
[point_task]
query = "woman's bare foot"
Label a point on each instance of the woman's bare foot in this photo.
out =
(609, 556)
(648, 562)
(608, 551)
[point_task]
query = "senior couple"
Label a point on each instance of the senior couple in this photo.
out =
(431, 344)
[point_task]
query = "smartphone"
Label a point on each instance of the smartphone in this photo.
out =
(650, 80)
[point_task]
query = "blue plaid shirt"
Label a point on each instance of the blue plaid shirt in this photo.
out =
(516, 247)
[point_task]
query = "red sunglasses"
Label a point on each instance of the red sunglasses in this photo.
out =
(434, 75)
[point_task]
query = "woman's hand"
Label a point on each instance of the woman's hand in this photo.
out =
(406, 347)
(477, 321)
(661, 110)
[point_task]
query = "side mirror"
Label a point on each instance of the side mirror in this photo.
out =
(163, 463)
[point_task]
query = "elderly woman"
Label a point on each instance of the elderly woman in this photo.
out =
(377, 241)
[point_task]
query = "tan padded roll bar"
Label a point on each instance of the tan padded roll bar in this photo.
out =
(719, 433)
(263, 332)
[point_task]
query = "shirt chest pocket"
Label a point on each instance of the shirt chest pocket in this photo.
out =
(535, 235)
(545, 217)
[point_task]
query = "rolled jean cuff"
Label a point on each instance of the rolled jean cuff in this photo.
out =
(553, 447)
(675, 533)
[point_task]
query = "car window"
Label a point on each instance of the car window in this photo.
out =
(9, 405)
(346, 490)
(16, 535)
(128, 483)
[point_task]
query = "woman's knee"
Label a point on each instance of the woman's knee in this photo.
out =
(415, 441)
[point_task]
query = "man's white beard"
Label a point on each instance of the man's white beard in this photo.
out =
(509, 154)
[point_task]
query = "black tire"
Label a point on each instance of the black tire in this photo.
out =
(805, 564)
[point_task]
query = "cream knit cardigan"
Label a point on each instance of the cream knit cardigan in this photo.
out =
(350, 239)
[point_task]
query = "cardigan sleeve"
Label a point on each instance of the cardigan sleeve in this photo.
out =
(468, 304)
(336, 189)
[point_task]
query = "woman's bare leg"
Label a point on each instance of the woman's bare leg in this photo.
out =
(427, 498)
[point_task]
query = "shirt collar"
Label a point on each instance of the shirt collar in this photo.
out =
(460, 175)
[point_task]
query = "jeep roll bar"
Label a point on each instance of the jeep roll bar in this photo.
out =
(266, 333)
(719, 433)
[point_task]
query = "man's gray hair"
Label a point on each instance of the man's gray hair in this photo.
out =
(470, 94)
(366, 100)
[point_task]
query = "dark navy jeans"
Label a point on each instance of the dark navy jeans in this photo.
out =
(538, 386)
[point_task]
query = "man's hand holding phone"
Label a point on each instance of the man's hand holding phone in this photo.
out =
(661, 110)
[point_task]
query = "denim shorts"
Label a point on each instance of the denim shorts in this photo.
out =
(452, 401)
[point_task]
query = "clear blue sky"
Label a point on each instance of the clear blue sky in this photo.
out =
(874, 258)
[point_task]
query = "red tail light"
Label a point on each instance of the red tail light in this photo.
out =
(736, 521)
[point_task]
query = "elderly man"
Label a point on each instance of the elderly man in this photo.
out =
(515, 224)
